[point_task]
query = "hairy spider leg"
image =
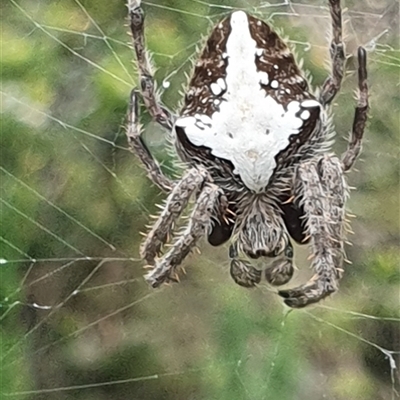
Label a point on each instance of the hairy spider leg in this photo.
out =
(320, 188)
(191, 182)
(138, 147)
(332, 84)
(199, 223)
(157, 111)
(360, 115)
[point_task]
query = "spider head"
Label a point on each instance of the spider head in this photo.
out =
(261, 231)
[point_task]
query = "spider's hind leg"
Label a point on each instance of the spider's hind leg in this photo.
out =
(321, 188)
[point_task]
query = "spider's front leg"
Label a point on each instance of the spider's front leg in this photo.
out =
(138, 147)
(191, 182)
(332, 84)
(199, 223)
(158, 112)
(320, 187)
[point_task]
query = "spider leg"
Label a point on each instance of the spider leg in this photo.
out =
(322, 188)
(158, 112)
(138, 147)
(191, 182)
(360, 116)
(332, 84)
(199, 223)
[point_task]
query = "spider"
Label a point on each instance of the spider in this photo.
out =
(256, 143)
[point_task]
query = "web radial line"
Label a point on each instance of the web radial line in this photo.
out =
(4, 240)
(42, 227)
(76, 259)
(388, 353)
(81, 330)
(176, 10)
(48, 275)
(53, 310)
(25, 277)
(75, 53)
(64, 124)
(86, 35)
(9, 309)
(113, 174)
(111, 383)
(357, 315)
(276, 352)
(105, 39)
(70, 217)
(111, 284)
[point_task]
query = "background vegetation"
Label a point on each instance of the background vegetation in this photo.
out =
(78, 321)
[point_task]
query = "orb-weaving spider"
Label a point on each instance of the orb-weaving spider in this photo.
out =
(256, 144)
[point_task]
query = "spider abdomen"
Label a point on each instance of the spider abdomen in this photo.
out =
(248, 103)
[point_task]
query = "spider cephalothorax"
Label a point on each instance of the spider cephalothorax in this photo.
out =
(255, 141)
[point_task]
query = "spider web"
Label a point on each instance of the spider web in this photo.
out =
(77, 319)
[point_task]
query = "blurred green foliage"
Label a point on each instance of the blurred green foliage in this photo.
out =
(77, 321)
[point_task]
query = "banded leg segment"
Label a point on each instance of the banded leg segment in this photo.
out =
(158, 112)
(138, 147)
(332, 84)
(199, 223)
(361, 113)
(322, 189)
(191, 182)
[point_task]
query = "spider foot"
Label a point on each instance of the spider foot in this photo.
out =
(244, 274)
(312, 292)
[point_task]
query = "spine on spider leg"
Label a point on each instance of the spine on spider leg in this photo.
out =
(323, 199)
(177, 201)
(158, 112)
(361, 113)
(165, 269)
(136, 23)
(337, 52)
(139, 148)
